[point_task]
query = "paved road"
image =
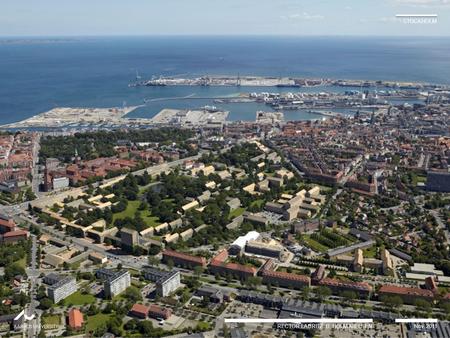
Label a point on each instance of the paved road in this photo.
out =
(36, 180)
(33, 325)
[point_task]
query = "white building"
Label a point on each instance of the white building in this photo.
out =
(60, 183)
(115, 282)
(166, 282)
(62, 289)
(426, 269)
(239, 244)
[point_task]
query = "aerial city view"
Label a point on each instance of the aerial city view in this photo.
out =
(237, 169)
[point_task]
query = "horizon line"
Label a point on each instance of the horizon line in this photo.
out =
(219, 35)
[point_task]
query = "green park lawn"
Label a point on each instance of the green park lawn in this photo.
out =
(22, 262)
(93, 322)
(78, 298)
(316, 246)
(131, 210)
(370, 252)
(257, 203)
(236, 212)
(51, 320)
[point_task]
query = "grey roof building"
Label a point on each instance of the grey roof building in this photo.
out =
(115, 282)
(166, 281)
(62, 289)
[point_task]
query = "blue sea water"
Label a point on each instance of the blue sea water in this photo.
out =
(39, 74)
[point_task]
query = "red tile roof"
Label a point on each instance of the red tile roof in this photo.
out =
(268, 265)
(287, 276)
(140, 309)
(221, 256)
(16, 233)
(219, 261)
(75, 318)
(241, 268)
(159, 311)
(187, 257)
(349, 285)
(7, 223)
(400, 290)
(234, 267)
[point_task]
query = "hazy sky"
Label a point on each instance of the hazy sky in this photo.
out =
(224, 17)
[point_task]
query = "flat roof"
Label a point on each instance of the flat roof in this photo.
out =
(242, 240)
(417, 276)
(426, 268)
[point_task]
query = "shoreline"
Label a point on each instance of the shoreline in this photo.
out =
(281, 82)
(95, 117)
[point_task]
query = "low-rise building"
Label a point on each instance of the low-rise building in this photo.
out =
(190, 205)
(239, 244)
(182, 259)
(233, 203)
(204, 197)
(362, 289)
(264, 249)
(255, 219)
(218, 265)
(238, 271)
(426, 269)
(157, 312)
(212, 294)
(7, 224)
(274, 207)
(235, 223)
(15, 236)
(276, 182)
(304, 226)
(98, 258)
(249, 188)
(185, 235)
(170, 238)
(75, 319)
(161, 227)
(285, 279)
(139, 311)
(408, 295)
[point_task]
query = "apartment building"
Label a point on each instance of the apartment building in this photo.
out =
(166, 281)
(115, 282)
(62, 289)
(182, 259)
